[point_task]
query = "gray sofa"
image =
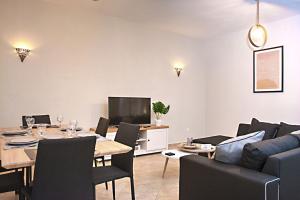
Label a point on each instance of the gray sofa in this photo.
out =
(279, 179)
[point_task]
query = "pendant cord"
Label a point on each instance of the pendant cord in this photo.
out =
(257, 12)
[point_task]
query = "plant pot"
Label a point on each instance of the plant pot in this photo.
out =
(158, 122)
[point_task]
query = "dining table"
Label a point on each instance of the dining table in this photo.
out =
(23, 157)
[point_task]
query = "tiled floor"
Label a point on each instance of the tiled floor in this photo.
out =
(149, 183)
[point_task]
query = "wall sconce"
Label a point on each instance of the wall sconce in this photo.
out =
(178, 69)
(23, 53)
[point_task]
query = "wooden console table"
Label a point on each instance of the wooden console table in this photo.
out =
(152, 139)
(113, 129)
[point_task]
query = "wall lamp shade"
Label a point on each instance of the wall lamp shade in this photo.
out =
(257, 34)
(178, 70)
(23, 53)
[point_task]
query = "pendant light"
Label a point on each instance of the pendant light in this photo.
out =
(257, 34)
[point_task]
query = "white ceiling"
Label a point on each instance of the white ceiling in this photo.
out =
(193, 18)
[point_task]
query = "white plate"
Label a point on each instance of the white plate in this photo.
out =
(52, 136)
(24, 140)
(15, 132)
(86, 134)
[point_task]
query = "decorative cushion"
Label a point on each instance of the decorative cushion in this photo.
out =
(286, 129)
(243, 129)
(256, 154)
(230, 151)
(270, 129)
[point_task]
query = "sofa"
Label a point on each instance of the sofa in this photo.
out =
(278, 178)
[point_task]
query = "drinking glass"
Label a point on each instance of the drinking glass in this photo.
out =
(60, 119)
(30, 122)
(73, 125)
(189, 141)
(41, 129)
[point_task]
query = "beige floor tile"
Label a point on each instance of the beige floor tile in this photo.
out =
(149, 184)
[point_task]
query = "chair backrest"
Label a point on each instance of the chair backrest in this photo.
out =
(127, 134)
(39, 119)
(63, 169)
(102, 127)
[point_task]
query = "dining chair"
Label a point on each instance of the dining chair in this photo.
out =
(121, 164)
(39, 119)
(11, 181)
(101, 130)
(63, 170)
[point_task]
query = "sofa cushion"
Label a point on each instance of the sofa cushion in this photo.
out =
(286, 129)
(270, 129)
(213, 140)
(255, 154)
(243, 129)
(230, 151)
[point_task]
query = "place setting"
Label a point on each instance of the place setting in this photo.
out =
(21, 142)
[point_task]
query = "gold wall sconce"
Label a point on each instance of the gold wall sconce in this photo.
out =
(23, 53)
(178, 69)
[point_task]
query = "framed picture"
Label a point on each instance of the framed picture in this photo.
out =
(268, 70)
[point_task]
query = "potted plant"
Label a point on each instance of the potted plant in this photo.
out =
(159, 109)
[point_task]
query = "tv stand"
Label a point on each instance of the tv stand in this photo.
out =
(152, 139)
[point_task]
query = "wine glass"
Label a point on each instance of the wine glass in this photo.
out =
(30, 122)
(60, 119)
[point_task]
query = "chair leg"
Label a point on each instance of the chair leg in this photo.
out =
(132, 188)
(95, 161)
(114, 190)
(103, 163)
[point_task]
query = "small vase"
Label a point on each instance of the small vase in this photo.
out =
(158, 122)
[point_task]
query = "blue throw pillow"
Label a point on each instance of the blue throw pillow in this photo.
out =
(230, 151)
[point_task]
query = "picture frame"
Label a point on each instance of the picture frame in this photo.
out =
(268, 70)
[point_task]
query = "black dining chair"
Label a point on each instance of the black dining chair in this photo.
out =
(63, 170)
(101, 130)
(11, 181)
(121, 164)
(39, 119)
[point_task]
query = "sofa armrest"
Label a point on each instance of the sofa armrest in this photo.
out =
(285, 165)
(209, 179)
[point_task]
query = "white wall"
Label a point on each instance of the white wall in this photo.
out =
(80, 57)
(230, 99)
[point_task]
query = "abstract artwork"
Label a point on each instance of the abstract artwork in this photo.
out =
(268, 70)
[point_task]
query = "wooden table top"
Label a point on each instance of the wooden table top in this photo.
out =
(20, 157)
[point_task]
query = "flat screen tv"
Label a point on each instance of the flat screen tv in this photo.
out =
(132, 110)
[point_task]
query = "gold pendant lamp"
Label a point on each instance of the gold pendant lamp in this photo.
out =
(258, 34)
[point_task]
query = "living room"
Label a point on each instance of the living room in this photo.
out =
(195, 56)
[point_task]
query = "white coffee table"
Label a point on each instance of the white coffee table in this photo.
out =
(177, 156)
(180, 152)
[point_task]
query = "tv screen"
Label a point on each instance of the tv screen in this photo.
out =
(129, 109)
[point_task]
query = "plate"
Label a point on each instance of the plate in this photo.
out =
(14, 133)
(52, 136)
(65, 129)
(86, 134)
(22, 141)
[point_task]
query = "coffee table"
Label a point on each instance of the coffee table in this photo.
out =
(180, 152)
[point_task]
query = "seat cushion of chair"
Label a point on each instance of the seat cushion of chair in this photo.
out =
(10, 182)
(214, 140)
(108, 173)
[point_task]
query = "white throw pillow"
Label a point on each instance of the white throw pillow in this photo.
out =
(230, 151)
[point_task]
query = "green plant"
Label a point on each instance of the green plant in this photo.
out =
(160, 109)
